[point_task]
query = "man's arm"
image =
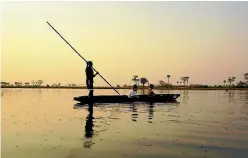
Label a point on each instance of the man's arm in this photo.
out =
(96, 74)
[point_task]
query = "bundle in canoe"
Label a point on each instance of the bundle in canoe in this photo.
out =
(125, 99)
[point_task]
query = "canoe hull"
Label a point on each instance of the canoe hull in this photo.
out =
(125, 99)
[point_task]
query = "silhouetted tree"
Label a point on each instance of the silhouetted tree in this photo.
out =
(5, 84)
(185, 79)
(18, 83)
(168, 77)
(33, 82)
(224, 82)
(231, 79)
(143, 81)
(135, 79)
(161, 82)
(241, 84)
(246, 77)
(39, 82)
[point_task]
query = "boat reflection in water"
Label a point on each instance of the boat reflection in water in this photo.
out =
(89, 124)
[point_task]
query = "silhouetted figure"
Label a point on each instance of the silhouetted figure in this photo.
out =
(89, 78)
(150, 90)
(133, 92)
(89, 132)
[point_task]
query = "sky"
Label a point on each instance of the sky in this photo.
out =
(206, 41)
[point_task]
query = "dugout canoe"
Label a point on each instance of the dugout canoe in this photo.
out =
(125, 99)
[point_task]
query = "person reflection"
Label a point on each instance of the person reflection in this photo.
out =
(89, 132)
(133, 107)
(150, 110)
(151, 106)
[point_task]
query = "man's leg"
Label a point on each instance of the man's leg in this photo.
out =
(91, 90)
(87, 84)
(91, 94)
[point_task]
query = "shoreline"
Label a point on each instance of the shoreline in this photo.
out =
(141, 88)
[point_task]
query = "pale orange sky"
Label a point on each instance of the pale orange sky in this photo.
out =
(206, 41)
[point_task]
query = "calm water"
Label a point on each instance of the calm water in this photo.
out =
(40, 123)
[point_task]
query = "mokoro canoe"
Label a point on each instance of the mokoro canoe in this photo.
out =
(125, 99)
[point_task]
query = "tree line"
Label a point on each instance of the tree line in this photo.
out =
(143, 81)
(37, 83)
(185, 82)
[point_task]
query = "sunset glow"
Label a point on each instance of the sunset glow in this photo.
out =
(206, 41)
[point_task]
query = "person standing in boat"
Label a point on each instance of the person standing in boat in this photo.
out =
(89, 78)
(133, 92)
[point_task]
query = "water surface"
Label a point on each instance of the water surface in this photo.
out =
(38, 123)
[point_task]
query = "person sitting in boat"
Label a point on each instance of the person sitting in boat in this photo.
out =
(89, 77)
(150, 90)
(133, 92)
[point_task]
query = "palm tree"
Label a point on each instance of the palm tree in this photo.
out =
(187, 80)
(182, 80)
(33, 82)
(39, 82)
(246, 77)
(143, 81)
(135, 79)
(168, 77)
(138, 81)
(224, 83)
(231, 79)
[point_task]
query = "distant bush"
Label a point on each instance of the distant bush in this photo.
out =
(199, 86)
(241, 84)
(165, 85)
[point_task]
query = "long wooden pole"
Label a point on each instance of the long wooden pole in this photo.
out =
(81, 56)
